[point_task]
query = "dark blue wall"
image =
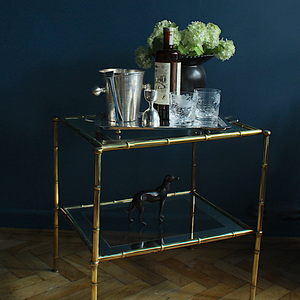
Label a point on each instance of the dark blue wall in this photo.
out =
(50, 53)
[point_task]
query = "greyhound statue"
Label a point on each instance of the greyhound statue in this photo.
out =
(158, 194)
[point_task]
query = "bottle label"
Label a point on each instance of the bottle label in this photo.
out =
(162, 81)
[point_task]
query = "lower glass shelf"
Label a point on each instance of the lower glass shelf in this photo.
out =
(119, 237)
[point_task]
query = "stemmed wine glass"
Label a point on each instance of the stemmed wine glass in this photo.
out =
(150, 117)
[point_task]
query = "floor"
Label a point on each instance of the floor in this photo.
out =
(219, 270)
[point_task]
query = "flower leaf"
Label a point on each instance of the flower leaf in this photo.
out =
(157, 44)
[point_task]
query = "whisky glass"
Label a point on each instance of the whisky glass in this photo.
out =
(207, 107)
(182, 109)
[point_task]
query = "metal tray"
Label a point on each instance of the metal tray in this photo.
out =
(100, 121)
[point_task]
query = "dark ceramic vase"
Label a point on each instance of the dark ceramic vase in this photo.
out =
(192, 72)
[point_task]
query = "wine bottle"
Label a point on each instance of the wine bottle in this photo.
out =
(167, 75)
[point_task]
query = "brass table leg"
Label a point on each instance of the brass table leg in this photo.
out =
(96, 223)
(193, 189)
(261, 203)
(56, 207)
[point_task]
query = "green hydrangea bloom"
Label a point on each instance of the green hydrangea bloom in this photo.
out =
(142, 58)
(196, 39)
(193, 38)
(213, 36)
(155, 40)
(158, 31)
(225, 50)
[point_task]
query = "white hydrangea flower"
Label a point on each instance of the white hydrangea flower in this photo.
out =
(198, 31)
(142, 58)
(225, 50)
(193, 38)
(196, 39)
(158, 31)
(176, 37)
(213, 36)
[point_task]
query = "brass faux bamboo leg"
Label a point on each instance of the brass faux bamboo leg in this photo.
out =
(193, 189)
(96, 223)
(56, 207)
(261, 203)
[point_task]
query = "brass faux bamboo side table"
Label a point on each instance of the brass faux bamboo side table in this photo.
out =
(213, 225)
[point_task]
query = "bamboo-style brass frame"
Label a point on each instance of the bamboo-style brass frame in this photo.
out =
(99, 148)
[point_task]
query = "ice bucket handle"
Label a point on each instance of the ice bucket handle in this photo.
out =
(98, 90)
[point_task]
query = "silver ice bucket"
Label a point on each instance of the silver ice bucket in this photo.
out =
(123, 89)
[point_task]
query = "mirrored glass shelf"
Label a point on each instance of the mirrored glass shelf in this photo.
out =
(101, 121)
(119, 236)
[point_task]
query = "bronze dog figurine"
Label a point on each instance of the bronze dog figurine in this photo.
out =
(158, 194)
